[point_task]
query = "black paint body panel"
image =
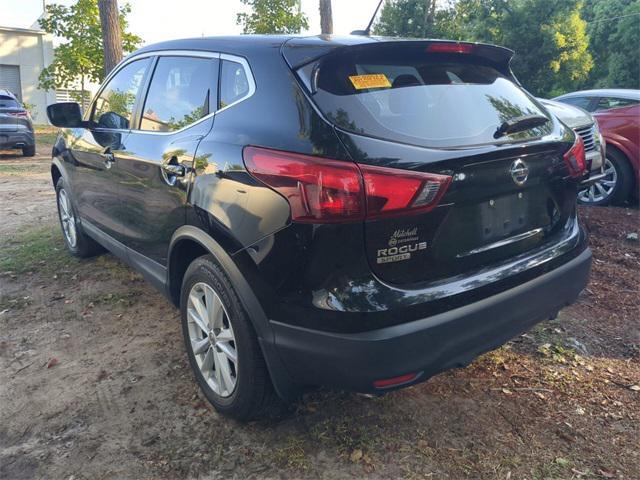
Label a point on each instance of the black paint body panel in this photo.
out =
(296, 279)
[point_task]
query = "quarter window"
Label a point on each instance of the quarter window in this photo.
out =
(581, 102)
(234, 84)
(114, 106)
(181, 92)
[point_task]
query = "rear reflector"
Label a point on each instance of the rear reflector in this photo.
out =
(450, 47)
(22, 114)
(321, 190)
(575, 158)
(392, 382)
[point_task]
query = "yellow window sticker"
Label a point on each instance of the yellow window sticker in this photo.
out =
(373, 80)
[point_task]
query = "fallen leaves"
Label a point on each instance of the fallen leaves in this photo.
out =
(52, 362)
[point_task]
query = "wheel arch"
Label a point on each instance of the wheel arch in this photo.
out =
(196, 242)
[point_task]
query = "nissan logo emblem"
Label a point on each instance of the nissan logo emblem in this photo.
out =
(519, 172)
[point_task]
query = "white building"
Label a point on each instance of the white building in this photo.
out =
(24, 52)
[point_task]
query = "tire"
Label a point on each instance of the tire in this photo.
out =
(240, 389)
(76, 240)
(29, 151)
(615, 188)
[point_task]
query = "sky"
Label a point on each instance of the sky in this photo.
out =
(158, 20)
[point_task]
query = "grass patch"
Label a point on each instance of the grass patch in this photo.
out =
(41, 250)
(45, 134)
(114, 299)
(19, 169)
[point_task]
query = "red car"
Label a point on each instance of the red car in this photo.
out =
(618, 114)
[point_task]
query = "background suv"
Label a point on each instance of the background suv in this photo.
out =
(352, 212)
(618, 114)
(16, 128)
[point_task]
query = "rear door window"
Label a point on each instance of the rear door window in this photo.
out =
(586, 103)
(182, 91)
(432, 100)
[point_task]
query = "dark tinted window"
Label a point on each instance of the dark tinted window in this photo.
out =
(581, 102)
(114, 106)
(8, 102)
(234, 83)
(424, 99)
(181, 92)
(606, 103)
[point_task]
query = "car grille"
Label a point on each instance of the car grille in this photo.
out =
(588, 137)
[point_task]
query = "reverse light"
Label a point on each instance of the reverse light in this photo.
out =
(321, 190)
(575, 158)
(450, 47)
(395, 381)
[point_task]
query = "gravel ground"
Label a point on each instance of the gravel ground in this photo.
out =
(94, 381)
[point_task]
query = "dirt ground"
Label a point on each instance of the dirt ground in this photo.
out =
(95, 384)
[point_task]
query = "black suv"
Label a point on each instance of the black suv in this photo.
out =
(16, 127)
(359, 213)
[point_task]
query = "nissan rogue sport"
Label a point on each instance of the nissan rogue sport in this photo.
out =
(357, 213)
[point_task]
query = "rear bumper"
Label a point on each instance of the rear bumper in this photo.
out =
(427, 346)
(16, 139)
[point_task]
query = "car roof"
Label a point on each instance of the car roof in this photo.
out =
(604, 92)
(299, 49)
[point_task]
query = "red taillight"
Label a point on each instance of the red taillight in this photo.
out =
(320, 190)
(392, 382)
(19, 114)
(450, 47)
(575, 158)
(390, 191)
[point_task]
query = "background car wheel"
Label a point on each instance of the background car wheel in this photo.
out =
(613, 189)
(78, 243)
(221, 344)
(29, 151)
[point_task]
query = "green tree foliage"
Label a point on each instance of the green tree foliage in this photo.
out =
(272, 16)
(614, 33)
(549, 37)
(80, 57)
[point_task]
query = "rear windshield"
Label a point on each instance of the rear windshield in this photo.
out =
(436, 100)
(8, 102)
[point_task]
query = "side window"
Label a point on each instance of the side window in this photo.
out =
(114, 106)
(234, 84)
(181, 92)
(606, 103)
(582, 102)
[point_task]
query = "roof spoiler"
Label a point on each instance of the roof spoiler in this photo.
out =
(301, 51)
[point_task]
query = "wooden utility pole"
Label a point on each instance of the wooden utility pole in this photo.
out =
(326, 17)
(111, 38)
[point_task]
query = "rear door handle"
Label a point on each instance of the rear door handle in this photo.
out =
(174, 170)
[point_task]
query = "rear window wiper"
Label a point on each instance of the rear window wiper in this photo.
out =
(518, 124)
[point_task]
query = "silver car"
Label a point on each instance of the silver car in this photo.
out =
(585, 125)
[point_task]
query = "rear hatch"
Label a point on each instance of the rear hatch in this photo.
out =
(438, 107)
(9, 109)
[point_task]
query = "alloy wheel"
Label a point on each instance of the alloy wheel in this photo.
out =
(212, 340)
(67, 218)
(603, 188)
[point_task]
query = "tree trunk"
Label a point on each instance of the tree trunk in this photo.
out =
(111, 38)
(326, 17)
(429, 14)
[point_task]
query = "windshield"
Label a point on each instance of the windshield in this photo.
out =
(433, 100)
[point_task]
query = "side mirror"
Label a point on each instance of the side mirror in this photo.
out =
(65, 115)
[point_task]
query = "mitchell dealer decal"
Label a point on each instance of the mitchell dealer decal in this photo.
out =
(401, 244)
